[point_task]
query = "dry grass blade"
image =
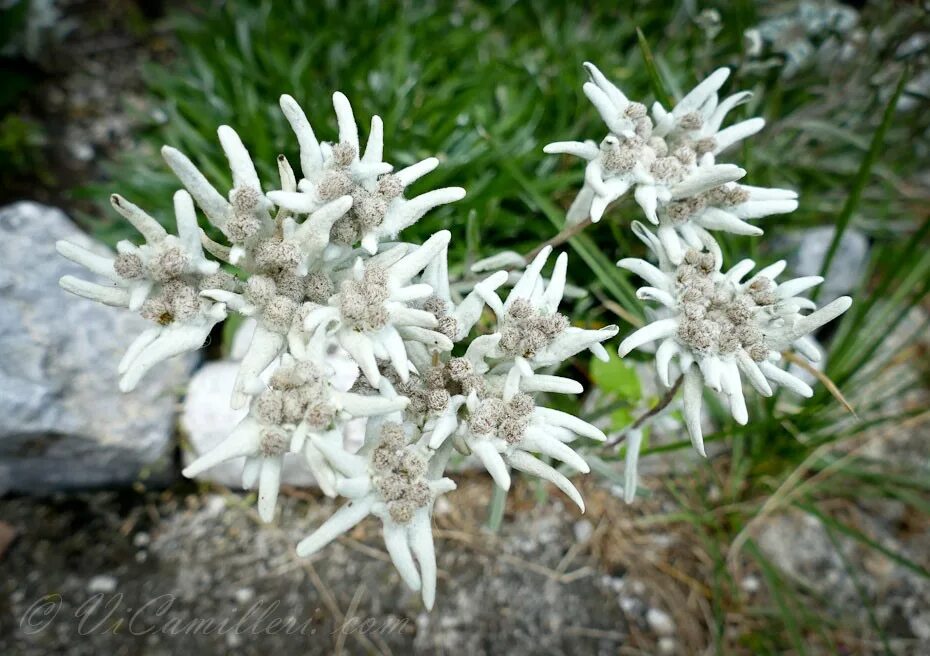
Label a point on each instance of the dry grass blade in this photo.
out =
(823, 378)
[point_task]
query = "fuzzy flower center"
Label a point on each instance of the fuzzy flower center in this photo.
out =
(525, 330)
(362, 301)
(715, 317)
(508, 420)
(297, 393)
(399, 474)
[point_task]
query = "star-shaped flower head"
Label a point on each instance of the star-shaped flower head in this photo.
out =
(379, 209)
(372, 314)
(720, 326)
(503, 427)
(532, 332)
(161, 280)
(394, 483)
(300, 402)
(669, 162)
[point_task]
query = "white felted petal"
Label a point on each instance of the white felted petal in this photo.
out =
(374, 148)
(646, 271)
(649, 333)
(753, 374)
(330, 445)
(295, 201)
(354, 488)
(264, 347)
(616, 97)
(537, 440)
(360, 405)
(705, 178)
(208, 199)
(530, 277)
(323, 474)
(393, 343)
(313, 233)
(145, 338)
(395, 540)
(647, 199)
(345, 119)
(571, 422)
(733, 388)
(429, 338)
(240, 163)
(269, 483)
(492, 461)
(580, 209)
(556, 287)
(420, 535)
(553, 384)
(148, 227)
(527, 463)
(98, 264)
(759, 208)
(173, 341)
(785, 379)
(414, 172)
(693, 388)
(807, 346)
(795, 286)
(664, 354)
(445, 424)
(711, 370)
(360, 348)
(189, 233)
(604, 106)
(808, 324)
(286, 174)
(657, 295)
(572, 341)
(342, 521)
(243, 441)
(403, 213)
(739, 270)
(311, 157)
(668, 237)
(715, 120)
(413, 263)
(251, 470)
(585, 150)
(735, 133)
(699, 95)
(713, 218)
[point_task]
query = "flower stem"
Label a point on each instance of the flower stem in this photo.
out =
(660, 405)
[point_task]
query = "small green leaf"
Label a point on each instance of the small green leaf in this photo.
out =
(617, 376)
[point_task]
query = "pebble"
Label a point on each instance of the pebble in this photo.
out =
(660, 621)
(583, 529)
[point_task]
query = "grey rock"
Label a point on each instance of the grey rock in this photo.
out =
(806, 250)
(63, 422)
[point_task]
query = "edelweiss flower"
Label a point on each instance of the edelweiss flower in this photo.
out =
(722, 208)
(370, 316)
(299, 402)
(720, 326)
(532, 331)
(394, 484)
(504, 428)
(161, 280)
(669, 160)
(379, 209)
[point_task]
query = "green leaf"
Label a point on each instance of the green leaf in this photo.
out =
(617, 377)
